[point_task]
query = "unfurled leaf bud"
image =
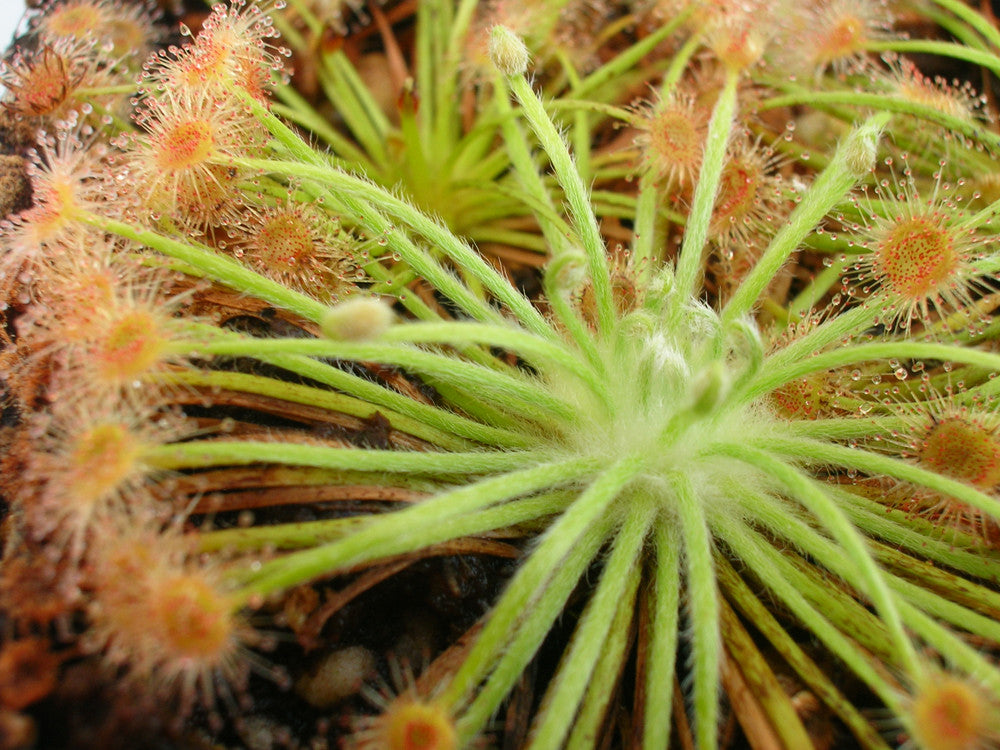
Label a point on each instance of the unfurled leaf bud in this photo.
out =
(709, 389)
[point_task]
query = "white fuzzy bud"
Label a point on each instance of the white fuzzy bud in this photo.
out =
(507, 51)
(860, 152)
(357, 319)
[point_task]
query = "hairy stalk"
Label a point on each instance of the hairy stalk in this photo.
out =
(580, 207)
(830, 516)
(696, 235)
(771, 568)
(569, 530)
(849, 164)
(811, 674)
(704, 606)
(561, 702)
(881, 465)
(407, 530)
(545, 608)
(663, 639)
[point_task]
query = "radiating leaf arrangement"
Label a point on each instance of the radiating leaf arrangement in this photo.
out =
(672, 322)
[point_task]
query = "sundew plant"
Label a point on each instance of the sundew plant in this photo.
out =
(679, 314)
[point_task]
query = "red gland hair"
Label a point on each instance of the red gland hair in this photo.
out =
(128, 340)
(67, 180)
(412, 719)
(44, 81)
(194, 620)
(106, 326)
(750, 198)
(101, 457)
(916, 255)
(811, 397)
(955, 99)
(86, 467)
(40, 594)
(407, 723)
(818, 395)
(76, 19)
(672, 137)
(628, 292)
(181, 168)
(130, 344)
(835, 35)
(129, 27)
(53, 217)
(959, 442)
(843, 38)
(921, 254)
(300, 246)
(185, 145)
(736, 33)
(950, 713)
(233, 48)
(72, 295)
(962, 449)
(167, 618)
(133, 30)
(419, 726)
(41, 82)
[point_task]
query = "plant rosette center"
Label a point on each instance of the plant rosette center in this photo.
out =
(669, 402)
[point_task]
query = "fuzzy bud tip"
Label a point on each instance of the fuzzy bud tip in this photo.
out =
(508, 52)
(860, 152)
(358, 319)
